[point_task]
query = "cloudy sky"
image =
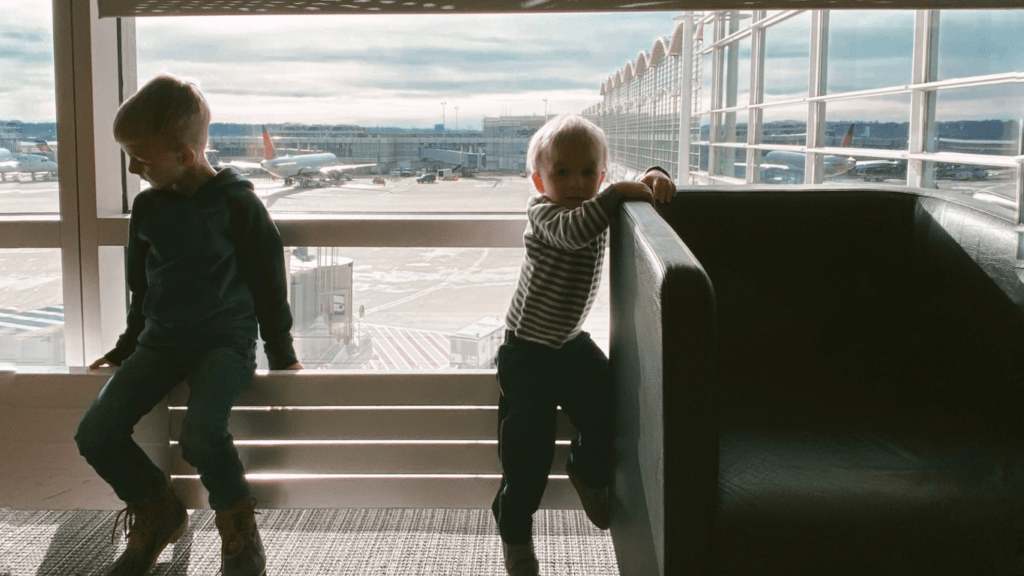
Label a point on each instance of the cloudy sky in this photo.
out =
(363, 69)
(396, 70)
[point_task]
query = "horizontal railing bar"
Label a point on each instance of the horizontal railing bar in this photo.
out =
(378, 491)
(416, 459)
(364, 425)
(316, 388)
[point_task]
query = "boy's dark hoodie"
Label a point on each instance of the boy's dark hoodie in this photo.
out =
(202, 269)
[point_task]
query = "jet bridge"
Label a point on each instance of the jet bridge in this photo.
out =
(471, 160)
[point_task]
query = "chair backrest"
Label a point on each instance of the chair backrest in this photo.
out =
(807, 284)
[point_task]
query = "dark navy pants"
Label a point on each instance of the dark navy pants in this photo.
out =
(215, 376)
(534, 381)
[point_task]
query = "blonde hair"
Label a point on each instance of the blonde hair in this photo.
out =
(169, 109)
(559, 130)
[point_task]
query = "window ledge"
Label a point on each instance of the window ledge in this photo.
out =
(29, 231)
(375, 230)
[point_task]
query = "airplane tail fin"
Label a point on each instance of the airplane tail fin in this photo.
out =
(43, 146)
(848, 138)
(268, 147)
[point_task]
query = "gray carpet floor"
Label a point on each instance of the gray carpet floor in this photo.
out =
(385, 542)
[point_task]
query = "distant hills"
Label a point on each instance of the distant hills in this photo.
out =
(957, 129)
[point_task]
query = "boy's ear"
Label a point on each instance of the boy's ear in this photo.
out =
(187, 156)
(538, 182)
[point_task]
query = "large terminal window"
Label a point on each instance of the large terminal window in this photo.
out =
(424, 120)
(31, 291)
(926, 98)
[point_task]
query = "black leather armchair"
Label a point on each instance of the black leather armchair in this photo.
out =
(818, 381)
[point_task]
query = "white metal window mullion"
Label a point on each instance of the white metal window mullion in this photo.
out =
(685, 84)
(922, 101)
(1019, 173)
(730, 91)
(115, 188)
(755, 114)
(717, 76)
(816, 87)
(64, 53)
(97, 175)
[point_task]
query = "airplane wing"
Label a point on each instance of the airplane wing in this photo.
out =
(241, 164)
(766, 166)
(342, 167)
(996, 199)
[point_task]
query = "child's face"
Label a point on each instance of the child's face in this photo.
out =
(571, 173)
(154, 162)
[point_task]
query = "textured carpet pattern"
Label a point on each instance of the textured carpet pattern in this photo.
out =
(384, 542)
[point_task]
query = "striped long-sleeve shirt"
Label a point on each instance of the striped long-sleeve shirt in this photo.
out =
(561, 268)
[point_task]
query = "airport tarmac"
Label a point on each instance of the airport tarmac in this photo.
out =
(481, 194)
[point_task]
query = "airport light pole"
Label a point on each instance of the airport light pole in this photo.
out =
(545, 109)
(456, 118)
(442, 116)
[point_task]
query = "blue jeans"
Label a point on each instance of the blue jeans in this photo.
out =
(215, 377)
(535, 380)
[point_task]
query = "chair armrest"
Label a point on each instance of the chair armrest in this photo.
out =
(662, 358)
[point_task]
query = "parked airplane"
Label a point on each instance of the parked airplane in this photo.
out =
(306, 169)
(31, 164)
(879, 170)
(44, 149)
(786, 167)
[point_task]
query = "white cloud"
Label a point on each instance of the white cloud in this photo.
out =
(26, 62)
(395, 70)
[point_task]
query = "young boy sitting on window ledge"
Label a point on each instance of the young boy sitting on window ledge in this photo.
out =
(205, 266)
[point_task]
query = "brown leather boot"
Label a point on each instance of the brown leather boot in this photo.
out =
(150, 527)
(241, 548)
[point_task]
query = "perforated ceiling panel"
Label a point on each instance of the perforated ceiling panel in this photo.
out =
(194, 7)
